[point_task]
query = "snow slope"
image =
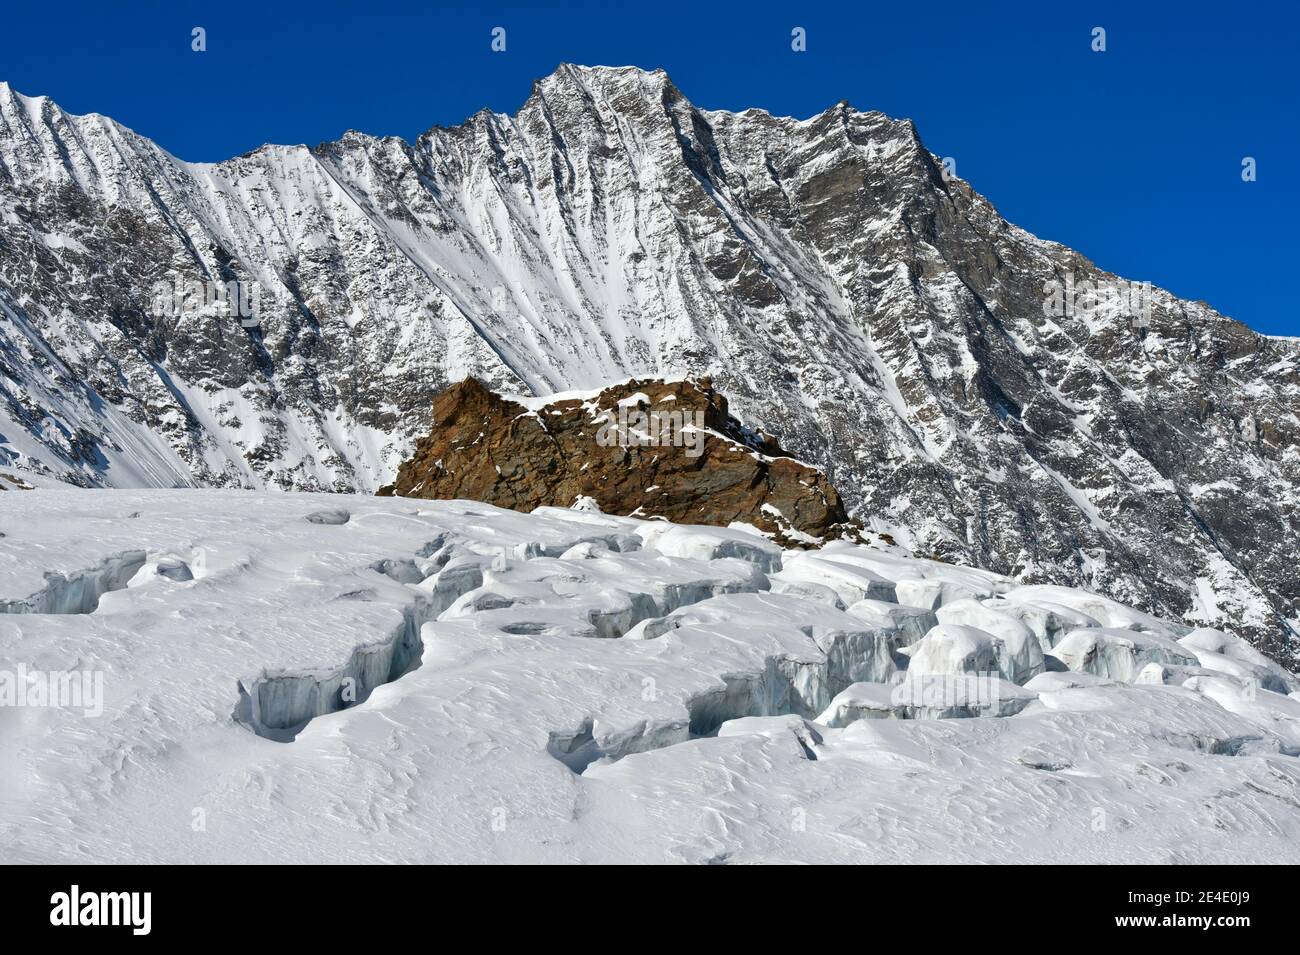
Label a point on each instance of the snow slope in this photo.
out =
(566, 686)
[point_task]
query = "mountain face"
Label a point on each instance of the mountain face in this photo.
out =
(644, 448)
(968, 387)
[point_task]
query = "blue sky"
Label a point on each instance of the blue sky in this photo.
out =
(1133, 156)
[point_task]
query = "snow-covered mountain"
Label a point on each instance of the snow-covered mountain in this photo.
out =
(225, 676)
(876, 315)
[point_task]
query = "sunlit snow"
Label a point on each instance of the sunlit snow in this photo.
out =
(316, 678)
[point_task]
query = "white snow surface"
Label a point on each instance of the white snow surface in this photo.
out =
(567, 686)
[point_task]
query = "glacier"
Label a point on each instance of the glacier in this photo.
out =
(446, 681)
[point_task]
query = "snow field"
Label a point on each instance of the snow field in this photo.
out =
(319, 678)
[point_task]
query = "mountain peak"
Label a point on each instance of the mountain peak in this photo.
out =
(886, 328)
(604, 81)
(611, 72)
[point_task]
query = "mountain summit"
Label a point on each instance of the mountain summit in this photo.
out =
(980, 394)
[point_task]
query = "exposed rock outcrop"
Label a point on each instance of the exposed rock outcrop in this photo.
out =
(645, 447)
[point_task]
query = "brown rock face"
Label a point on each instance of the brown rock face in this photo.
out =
(646, 447)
